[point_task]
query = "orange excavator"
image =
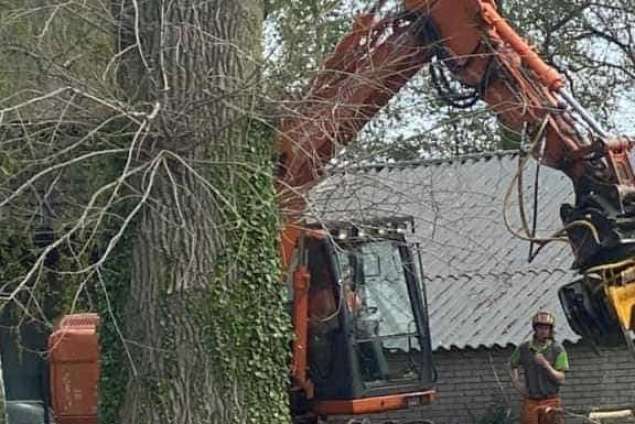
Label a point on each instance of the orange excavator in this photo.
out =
(360, 320)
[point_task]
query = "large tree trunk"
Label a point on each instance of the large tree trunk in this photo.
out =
(204, 313)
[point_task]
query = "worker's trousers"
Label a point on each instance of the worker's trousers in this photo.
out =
(542, 411)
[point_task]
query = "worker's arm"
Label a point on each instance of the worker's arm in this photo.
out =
(557, 372)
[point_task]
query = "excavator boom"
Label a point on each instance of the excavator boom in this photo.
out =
(483, 52)
(371, 63)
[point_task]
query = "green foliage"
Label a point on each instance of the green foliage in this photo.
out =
(583, 41)
(237, 326)
(45, 45)
(303, 33)
(110, 297)
(248, 329)
(14, 255)
(59, 289)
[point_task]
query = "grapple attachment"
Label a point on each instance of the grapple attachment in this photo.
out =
(598, 311)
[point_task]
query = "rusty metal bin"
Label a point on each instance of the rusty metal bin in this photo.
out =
(74, 369)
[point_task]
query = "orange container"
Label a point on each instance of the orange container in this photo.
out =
(74, 369)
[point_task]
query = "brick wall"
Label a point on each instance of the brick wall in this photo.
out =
(471, 381)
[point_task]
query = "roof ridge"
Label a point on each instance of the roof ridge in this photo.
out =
(422, 162)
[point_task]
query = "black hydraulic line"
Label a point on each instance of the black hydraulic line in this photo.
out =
(534, 220)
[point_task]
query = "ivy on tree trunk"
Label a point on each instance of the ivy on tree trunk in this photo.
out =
(205, 320)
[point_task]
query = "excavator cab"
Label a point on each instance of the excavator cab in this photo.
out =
(368, 342)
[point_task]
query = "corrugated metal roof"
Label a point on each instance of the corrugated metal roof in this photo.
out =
(482, 290)
(473, 310)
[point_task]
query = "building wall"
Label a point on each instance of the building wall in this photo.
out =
(473, 383)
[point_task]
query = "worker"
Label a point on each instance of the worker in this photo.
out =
(323, 321)
(353, 299)
(372, 359)
(544, 362)
(322, 305)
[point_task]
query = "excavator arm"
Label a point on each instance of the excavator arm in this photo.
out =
(481, 51)
(367, 68)
(379, 56)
